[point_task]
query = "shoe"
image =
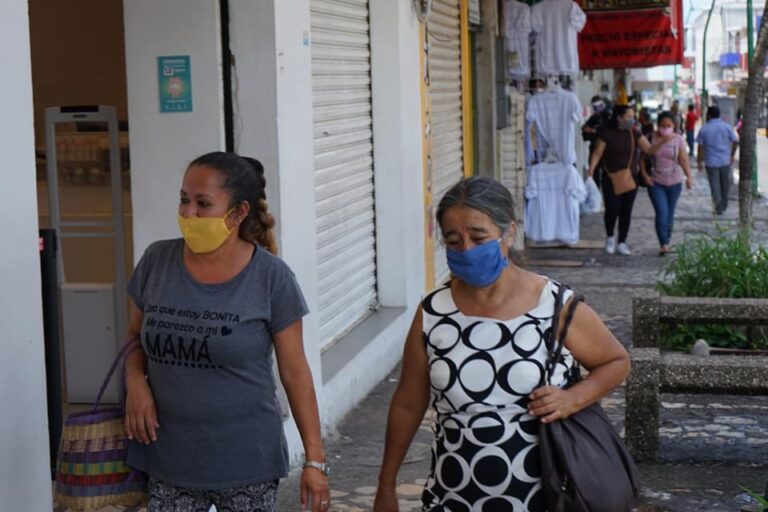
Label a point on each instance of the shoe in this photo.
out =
(623, 249)
(664, 250)
(610, 245)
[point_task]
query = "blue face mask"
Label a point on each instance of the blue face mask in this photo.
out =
(479, 266)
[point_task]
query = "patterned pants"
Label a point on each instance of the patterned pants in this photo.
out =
(164, 497)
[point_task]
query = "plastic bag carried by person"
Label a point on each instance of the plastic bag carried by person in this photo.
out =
(594, 201)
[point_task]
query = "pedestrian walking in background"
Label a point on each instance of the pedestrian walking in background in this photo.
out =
(210, 308)
(718, 143)
(599, 118)
(477, 353)
(646, 123)
(614, 152)
(677, 116)
(691, 118)
(664, 174)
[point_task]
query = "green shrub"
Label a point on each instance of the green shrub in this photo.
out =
(714, 266)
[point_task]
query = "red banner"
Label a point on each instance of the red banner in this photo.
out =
(631, 34)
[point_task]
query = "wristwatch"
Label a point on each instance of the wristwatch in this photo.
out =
(320, 466)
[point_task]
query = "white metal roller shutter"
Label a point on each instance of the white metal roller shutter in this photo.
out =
(344, 193)
(511, 164)
(444, 32)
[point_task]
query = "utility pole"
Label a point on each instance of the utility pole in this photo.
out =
(704, 94)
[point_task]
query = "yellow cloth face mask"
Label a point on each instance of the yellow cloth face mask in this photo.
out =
(204, 234)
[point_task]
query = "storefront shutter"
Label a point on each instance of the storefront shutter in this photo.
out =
(444, 37)
(344, 188)
(512, 150)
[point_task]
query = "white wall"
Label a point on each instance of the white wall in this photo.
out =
(25, 481)
(163, 144)
(254, 84)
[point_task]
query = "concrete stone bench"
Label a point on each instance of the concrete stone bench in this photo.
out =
(655, 372)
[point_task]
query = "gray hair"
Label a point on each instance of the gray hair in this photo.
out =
(483, 194)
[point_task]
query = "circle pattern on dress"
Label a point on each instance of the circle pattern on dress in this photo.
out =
(485, 455)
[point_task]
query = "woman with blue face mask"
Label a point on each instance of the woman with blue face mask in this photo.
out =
(476, 353)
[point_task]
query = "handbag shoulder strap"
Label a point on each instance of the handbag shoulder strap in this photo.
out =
(129, 347)
(556, 344)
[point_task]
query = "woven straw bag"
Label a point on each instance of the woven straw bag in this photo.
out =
(90, 470)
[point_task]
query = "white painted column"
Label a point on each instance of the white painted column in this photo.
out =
(272, 82)
(397, 151)
(25, 483)
(162, 145)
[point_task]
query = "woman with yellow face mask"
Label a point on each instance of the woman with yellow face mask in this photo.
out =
(209, 308)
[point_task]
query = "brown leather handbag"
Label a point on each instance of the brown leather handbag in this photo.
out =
(585, 465)
(623, 180)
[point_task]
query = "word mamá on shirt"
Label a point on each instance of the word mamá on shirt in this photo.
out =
(177, 350)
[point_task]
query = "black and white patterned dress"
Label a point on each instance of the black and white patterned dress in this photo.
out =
(485, 452)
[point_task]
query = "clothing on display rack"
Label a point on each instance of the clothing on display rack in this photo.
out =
(556, 114)
(517, 21)
(527, 143)
(554, 194)
(557, 23)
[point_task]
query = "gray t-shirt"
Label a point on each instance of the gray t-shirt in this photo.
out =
(209, 364)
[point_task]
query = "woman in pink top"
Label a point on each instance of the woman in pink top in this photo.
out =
(665, 178)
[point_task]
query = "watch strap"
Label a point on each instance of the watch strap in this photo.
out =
(320, 466)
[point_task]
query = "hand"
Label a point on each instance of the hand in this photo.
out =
(649, 180)
(140, 414)
(689, 183)
(386, 500)
(314, 486)
(700, 165)
(550, 403)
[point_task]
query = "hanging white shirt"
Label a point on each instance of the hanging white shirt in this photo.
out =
(557, 114)
(554, 193)
(557, 24)
(517, 20)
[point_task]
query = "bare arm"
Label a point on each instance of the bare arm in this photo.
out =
(140, 413)
(644, 172)
(406, 412)
(700, 157)
(682, 159)
(297, 380)
(597, 155)
(594, 347)
(136, 364)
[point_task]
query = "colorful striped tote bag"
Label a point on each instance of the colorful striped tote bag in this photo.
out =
(90, 471)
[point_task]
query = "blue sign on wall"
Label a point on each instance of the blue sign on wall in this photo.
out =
(175, 81)
(729, 60)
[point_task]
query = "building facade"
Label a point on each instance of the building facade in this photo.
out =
(361, 112)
